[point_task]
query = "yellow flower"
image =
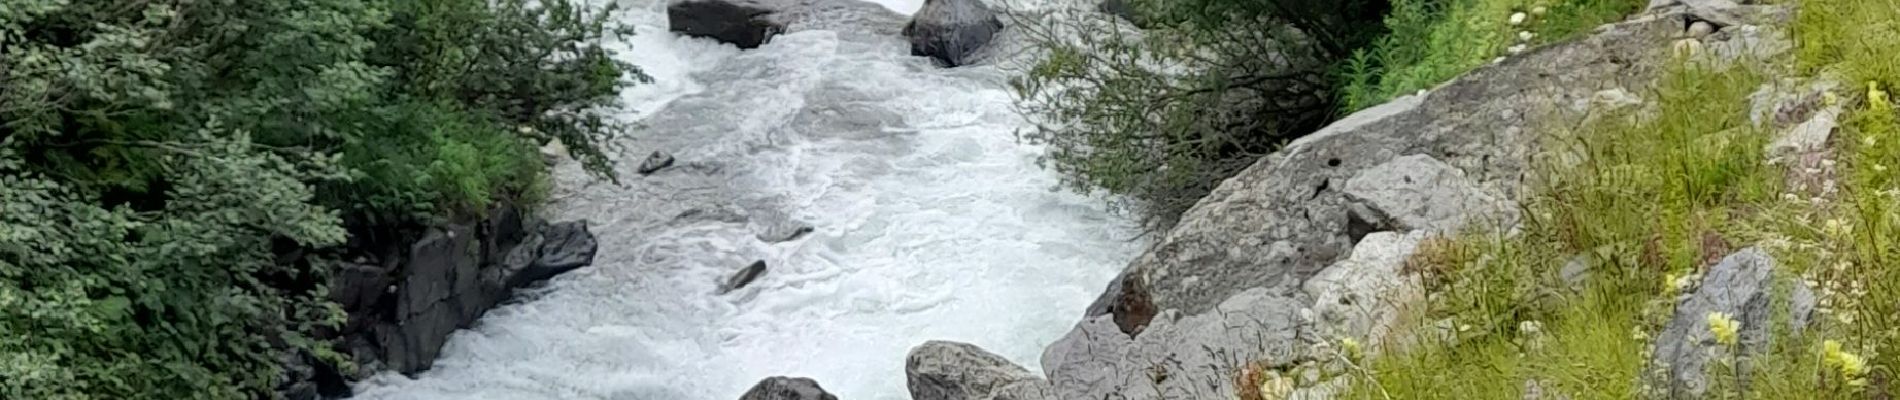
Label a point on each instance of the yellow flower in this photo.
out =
(1352, 348)
(1852, 367)
(1877, 99)
(1724, 328)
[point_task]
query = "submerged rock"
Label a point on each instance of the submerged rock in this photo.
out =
(655, 162)
(787, 388)
(950, 31)
(942, 370)
(743, 277)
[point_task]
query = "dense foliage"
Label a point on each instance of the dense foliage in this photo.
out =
(165, 164)
(1164, 114)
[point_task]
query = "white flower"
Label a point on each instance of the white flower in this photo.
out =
(1518, 49)
(1526, 35)
(1518, 18)
(1539, 10)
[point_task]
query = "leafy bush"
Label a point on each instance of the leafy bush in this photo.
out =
(1162, 116)
(174, 173)
(112, 302)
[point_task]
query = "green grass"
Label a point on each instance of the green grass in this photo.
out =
(1432, 41)
(1659, 197)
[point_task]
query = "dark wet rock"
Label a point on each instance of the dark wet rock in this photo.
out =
(787, 388)
(744, 23)
(655, 162)
(783, 231)
(1743, 287)
(951, 31)
(565, 246)
(743, 277)
(943, 370)
(402, 311)
(752, 23)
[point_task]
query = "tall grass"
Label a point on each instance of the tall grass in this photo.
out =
(1654, 200)
(1432, 41)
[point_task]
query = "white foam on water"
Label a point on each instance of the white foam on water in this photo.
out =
(932, 222)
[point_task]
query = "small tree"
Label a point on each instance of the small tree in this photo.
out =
(1162, 115)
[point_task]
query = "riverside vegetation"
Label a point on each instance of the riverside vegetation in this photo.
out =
(178, 177)
(1658, 195)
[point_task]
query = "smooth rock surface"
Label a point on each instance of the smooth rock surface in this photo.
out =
(943, 370)
(1421, 193)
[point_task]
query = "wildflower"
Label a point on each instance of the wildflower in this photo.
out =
(1530, 327)
(1852, 367)
(1539, 10)
(1518, 18)
(1351, 347)
(1867, 141)
(1526, 36)
(1880, 168)
(1876, 99)
(1836, 227)
(1829, 98)
(1724, 328)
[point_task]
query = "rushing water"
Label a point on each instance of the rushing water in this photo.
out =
(932, 222)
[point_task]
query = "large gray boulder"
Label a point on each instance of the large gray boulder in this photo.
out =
(787, 388)
(942, 370)
(1363, 296)
(951, 31)
(1742, 286)
(751, 23)
(1279, 222)
(1177, 356)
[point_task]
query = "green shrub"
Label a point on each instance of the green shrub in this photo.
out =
(174, 174)
(1162, 117)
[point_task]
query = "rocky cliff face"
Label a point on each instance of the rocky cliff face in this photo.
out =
(403, 307)
(1305, 246)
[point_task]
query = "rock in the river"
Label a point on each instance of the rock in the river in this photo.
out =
(657, 161)
(449, 278)
(752, 23)
(950, 31)
(942, 370)
(744, 23)
(1743, 287)
(787, 388)
(744, 277)
(783, 231)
